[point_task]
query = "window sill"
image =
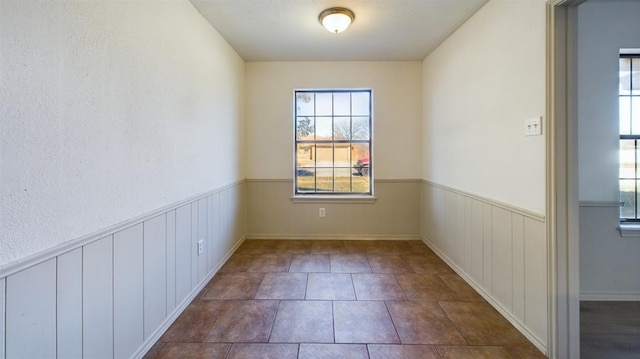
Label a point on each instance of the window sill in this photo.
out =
(333, 199)
(629, 229)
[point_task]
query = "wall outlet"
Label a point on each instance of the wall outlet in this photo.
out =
(200, 246)
(322, 213)
(533, 126)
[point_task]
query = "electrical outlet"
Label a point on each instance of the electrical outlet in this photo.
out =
(322, 213)
(200, 246)
(533, 126)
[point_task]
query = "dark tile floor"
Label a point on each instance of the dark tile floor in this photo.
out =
(339, 299)
(609, 330)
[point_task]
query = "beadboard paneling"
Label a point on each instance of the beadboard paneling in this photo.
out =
(203, 217)
(128, 291)
(499, 249)
(155, 274)
(3, 283)
(69, 304)
(31, 312)
(114, 295)
(171, 261)
(183, 253)
(97, 299)
(271, 213)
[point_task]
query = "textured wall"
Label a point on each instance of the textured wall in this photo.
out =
(110, 109)
(479, 87)
(396, 112)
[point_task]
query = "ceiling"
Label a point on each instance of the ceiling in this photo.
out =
(289, 30)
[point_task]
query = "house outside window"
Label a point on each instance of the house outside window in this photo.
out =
(629, 102)
(333, 142)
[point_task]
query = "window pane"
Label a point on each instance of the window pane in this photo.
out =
(625, 76)
(305, 155)
(361, 184)
(628, 197)
(324, 155)
(306, 178)
(342, 128)
(304, 128)
(341, 103)
(324, 128)
(625, 115)
(343, 180)
(635, 76)
(360, 159)
(324, 104)
(342, 155)
(627, 159)
(635, 115)
(360, 128)
(304, 103)
(360, 103)
(324, 179)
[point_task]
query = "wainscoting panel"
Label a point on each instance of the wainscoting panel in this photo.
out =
(535, 276)
(203, 265)
(128, 291)
(31, 312)
(502, 274)
(3, 283)
(97, 299)
(518, 261)
(497, 248)
(271, 213)
(171, 261)
(609, 264)
(194, 245)
(155, 275)
(477, 242)
(114, 293)
(183, 253)
(69, 304)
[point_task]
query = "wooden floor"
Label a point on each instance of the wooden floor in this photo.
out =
(339, 299)
(609, 330)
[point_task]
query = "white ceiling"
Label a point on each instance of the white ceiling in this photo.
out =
(289, 30)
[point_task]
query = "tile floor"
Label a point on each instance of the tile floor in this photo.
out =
(609, 330)
(339, 299)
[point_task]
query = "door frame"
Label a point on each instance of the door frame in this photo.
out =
(562, 206)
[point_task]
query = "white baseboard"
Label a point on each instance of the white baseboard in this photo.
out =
(610, 297)
(339, 237)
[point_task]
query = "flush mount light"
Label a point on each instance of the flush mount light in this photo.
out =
(336, 19)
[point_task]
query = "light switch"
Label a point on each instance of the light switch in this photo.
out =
(533, 126)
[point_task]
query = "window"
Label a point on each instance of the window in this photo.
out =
(333, 142)
(629, 99)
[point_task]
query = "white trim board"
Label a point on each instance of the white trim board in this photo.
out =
(23, 263)
(609, 297)
(345, 237)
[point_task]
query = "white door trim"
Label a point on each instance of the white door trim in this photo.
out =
(561, 184)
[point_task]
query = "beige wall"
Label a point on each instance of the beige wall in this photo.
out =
(395, 214)
(396, 105)
(479, 87)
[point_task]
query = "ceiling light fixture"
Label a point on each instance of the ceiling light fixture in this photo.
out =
(336, 19)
